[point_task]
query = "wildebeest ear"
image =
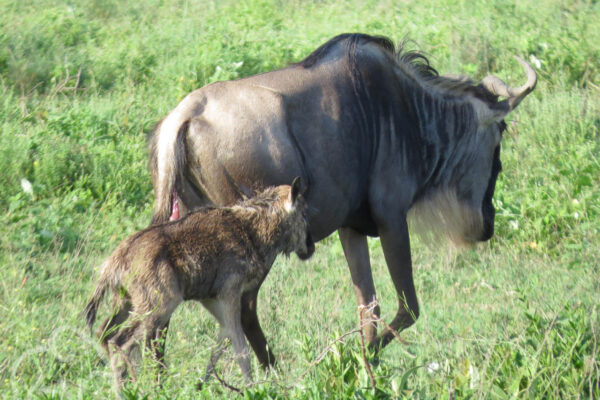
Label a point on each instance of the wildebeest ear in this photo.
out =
(486, 114)
(296, 189)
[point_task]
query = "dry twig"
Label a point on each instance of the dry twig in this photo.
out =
(362, 351)
(225, 384)
(362, 323)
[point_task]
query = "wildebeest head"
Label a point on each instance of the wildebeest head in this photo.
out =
(463, 205)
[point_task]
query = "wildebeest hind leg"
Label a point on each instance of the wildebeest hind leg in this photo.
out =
(396, 249)
(189, 196)
(356, 251)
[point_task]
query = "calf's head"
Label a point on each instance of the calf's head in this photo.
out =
(299, 240)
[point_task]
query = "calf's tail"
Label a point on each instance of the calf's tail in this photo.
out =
(92, 307)
(106, 281)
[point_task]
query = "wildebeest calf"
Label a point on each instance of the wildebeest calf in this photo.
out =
(213, 255)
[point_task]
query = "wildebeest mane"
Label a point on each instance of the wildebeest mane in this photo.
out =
(352, 39)
(415, 60)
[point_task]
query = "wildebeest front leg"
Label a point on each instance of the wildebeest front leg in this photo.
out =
(395, 243)
(356, 250)
(253, 331)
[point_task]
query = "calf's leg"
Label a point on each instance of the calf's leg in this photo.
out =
(253, 331)
(158, 344)
(109, 327)
(120, 347)
(233, 327)
(228, 313)
(156, 337)
(214, 357)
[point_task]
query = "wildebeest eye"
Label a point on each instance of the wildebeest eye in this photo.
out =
(497, 164)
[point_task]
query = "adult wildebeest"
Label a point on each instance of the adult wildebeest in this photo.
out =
(373, 131)
(212, 255)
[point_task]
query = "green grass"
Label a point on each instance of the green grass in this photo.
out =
(82, 82)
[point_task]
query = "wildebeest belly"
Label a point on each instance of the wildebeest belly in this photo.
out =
(241, 144)
(361, 220)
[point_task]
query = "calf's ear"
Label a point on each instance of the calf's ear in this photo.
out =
(246, 192)
(296, 190)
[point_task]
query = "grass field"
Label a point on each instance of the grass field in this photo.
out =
(82, 82)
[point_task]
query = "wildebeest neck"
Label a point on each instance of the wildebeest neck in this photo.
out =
(426, 131)
(440, 134)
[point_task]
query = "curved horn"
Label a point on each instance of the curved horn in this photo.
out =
(497, 86)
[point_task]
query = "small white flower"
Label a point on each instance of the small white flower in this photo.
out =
(535, 61)
(27, 186)
(514, 224)
(576, 215)
(475, 378)
(433, 367)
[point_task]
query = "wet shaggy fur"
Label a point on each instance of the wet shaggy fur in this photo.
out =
(213, 255)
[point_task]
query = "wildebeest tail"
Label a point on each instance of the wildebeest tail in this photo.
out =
(167, 161)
